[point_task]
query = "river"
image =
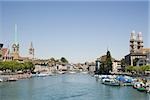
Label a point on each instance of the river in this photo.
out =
(67, 87)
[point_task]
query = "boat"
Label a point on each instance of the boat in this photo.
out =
(42, 75)
(141, 89)
(61, 72)
(84, 72)
(128, 84)
(12, 79)
(125, 80)
(111, 82)
(148, 89)
(138, 85)
(72, 72)
(1, 80)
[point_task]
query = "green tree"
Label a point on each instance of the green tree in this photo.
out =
(108, 63)
(135, 61)
(14, 66)
(63, 60)
(138, 69)
(129, 69)
(123, 64)
(28, 66)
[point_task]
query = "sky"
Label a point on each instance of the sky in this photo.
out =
(78, 30)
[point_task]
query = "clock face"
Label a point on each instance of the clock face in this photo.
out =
(14, 46)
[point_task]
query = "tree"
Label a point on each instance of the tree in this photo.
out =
(123, 64)
(28, 66)
(135, 61)
(52, 59)
(129, 68)
(63, 60)
(102, 69)
(14, 66)
(106, 65)
(138, 69)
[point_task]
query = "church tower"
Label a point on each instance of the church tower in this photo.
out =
(139, 42)
(31, 51)
(133, 43)
(15, 46)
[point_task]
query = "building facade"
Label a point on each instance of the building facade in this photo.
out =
(1, 46)
(138, 55)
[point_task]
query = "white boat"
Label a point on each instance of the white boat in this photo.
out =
(138, 85)
(1, 80)
(84, 72)
(61, 72)
(111, 82)
(42, 74)
(72, 72)
(12, 79)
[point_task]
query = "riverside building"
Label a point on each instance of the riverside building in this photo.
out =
(138, 55)
(14, 53)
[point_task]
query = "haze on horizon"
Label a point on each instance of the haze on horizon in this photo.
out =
(78, 31)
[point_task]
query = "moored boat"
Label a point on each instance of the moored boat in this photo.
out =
(12, 79)
(142, 89)
(138, 85)
(111, 82)
(1, 80)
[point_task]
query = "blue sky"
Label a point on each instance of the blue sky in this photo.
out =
(79, 31)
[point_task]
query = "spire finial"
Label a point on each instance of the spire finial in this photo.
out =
(31, 45)
(107, 48)
(16, 42)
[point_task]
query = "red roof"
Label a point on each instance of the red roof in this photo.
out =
(4, 51)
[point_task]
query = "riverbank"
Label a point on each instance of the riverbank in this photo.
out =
(15, 77)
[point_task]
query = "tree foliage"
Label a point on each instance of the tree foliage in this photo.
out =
(63, 60)
(123, 64)
(14, 66)
(138, 69)
(106, 66)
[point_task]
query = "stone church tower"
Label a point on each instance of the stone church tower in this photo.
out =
(133, 44)
(15, 46)
(139, 42)
(31, 51)
(136, 42)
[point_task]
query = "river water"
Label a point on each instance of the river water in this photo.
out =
(67, 87)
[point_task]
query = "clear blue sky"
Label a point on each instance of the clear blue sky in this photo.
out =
(79, 31)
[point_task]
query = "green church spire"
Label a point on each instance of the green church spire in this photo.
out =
(16, 41)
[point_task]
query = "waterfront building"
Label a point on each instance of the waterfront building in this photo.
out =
(138, 55)
(14, 54)
(116, 67)
(1, 46)
(91, 67)
(97, 66)
(6, 55)
(15, 46)
(116, 64)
